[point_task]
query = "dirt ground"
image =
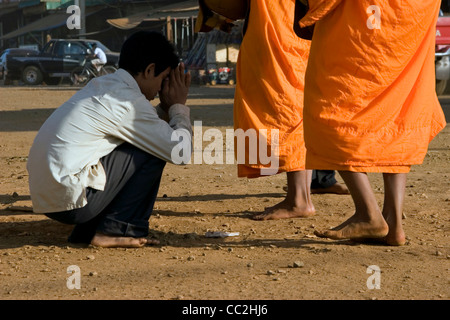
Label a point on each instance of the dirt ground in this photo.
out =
(256, 265)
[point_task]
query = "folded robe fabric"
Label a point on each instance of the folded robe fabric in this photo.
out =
(270, 80)
(370, 101)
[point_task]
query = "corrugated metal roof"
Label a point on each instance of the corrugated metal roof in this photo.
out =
(183, 9)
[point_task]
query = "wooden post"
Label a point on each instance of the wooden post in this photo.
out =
(169, 31)
(175, 36)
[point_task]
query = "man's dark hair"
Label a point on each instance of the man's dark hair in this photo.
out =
(143, 48)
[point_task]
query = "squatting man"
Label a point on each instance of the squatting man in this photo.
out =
(97, 161)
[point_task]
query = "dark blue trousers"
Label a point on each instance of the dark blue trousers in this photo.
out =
(323, 179)
(125, 206)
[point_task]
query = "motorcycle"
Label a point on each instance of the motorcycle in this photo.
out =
(87, 71)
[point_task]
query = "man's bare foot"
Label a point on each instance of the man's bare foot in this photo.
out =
(336, 188)
(354, 228)
(105, 241)
(285, 210)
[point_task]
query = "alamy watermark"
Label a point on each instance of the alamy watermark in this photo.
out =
(254, 147)
(214, 153)
(374, 281)
(74, 280)
(374, 21)
(74, 20)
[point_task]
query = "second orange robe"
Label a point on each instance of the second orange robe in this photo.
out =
(370, 101)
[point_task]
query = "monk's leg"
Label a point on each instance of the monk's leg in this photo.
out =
(298, 201)
(394, 195)
(367, 222)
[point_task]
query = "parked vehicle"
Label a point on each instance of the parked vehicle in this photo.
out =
(6, 56)
(56, 60)
(442, 55)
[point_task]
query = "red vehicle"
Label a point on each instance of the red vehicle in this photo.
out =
(442, 56)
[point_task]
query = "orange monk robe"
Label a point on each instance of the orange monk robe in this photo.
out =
(270, 80)
(370, 101)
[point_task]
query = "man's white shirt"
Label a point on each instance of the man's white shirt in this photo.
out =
(65, 156)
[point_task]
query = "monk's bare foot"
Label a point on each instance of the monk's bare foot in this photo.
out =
(285, 210)
(336, 188)
(105, 241)
(354, 228)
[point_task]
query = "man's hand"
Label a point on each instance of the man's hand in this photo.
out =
(175, 88)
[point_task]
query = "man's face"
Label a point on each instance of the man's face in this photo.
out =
(151, 85)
